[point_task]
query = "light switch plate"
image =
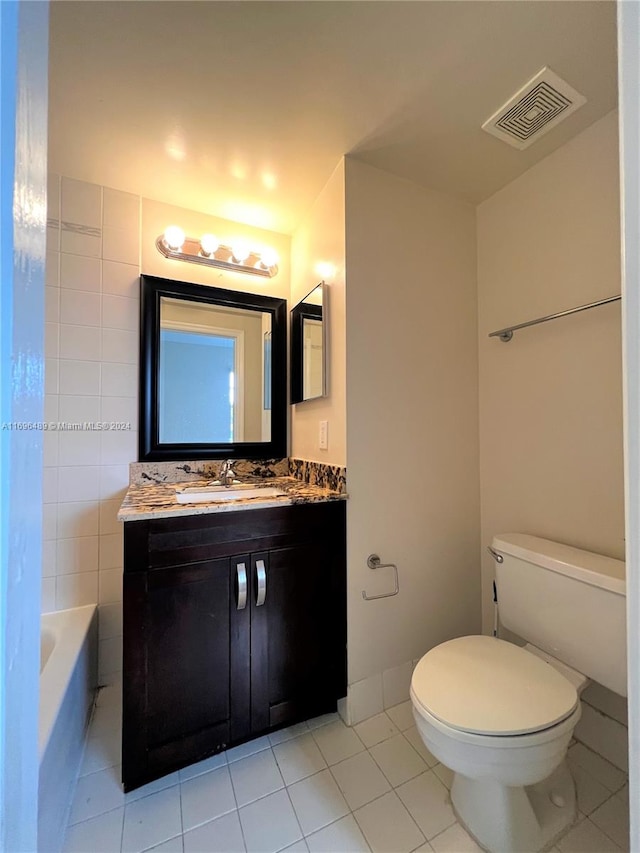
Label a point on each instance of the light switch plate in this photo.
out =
(323, 435)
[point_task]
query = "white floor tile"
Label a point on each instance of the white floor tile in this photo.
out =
(223, 835)
(299, 758)
(269, 824)
(613, 819)
(337, 742)
(444, 774)
(343, 836)
(317, 801)
(454, 840)
(427, 800)
(173, 845)
(206, 797)
(160, 784)
(102, 834)
(288, 734)
(97, 793)
(249, 748)
(212, 763)
(590, 792)
(322, 720)
(376, 729)
(360, 780)
(402, 715)
(387, 826)
(601, 769)
(398, 760)
(101, 753)
(587, 838)
(297, 847)
(152, 820)
(413, 736)
(255, 777)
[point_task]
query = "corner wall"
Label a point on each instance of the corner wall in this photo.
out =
(318, 243)
(412, 428)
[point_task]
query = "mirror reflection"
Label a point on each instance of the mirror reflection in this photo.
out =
(214, 369)
(309, 346)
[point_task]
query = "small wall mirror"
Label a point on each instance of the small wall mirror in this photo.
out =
(309, 336)
(212, 373)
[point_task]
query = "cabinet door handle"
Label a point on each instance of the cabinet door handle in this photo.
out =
(242, 586)
(261, 576)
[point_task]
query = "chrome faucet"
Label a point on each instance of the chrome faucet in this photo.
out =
(226, 473)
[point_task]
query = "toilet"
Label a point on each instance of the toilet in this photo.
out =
(501, 715)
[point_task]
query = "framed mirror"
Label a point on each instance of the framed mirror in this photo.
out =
(309, 337)
(212, 373)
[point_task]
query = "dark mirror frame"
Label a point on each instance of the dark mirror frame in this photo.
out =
(299, 313)
(152, 289)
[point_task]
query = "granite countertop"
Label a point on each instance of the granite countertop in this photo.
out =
(158, 500)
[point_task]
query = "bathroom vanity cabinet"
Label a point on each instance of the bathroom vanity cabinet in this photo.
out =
(234, 624)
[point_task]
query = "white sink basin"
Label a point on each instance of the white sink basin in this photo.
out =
(213, 494)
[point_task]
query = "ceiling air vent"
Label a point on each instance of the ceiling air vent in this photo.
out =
(539, 106)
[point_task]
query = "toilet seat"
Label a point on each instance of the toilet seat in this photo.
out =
(485, 686)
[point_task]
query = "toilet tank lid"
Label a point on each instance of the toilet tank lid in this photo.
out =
(585, 566)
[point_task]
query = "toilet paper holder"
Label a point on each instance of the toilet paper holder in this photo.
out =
(373, 561)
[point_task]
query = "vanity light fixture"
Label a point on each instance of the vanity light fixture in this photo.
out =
(208, 250)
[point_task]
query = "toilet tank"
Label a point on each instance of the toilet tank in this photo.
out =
(568, 602)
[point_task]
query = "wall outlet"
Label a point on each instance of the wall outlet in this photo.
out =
(323, 435)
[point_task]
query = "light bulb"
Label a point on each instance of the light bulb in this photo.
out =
(240, 251)
(269, 258)
(173, 238)
(209, 244)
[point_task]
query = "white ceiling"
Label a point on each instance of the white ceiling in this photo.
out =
(243, 109)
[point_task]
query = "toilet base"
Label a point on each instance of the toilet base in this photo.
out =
(505, 819)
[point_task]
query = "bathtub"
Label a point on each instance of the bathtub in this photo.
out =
(68, 669)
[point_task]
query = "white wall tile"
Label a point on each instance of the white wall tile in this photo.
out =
(118, 447)
(119, 380)
(77, 408)
(51, 340)
(52, 269)
(120, 410)
(52, 304)
(51, 375)
(49, 521)
(50, 485)
(109, 524)
(120, 346)
(51, 407)
(365, 698)
(80, 343)
(78, 483)
(109, 656)
(80, 273)
(121, 244)
(121, 279)
(111, 551)
(80, 244)
(78, 518)
(396, 683)
(79, 377)
(50, 448)
(53, 196)
(114, 481)
(79, 307)
(81, 203)
(48, 602)
(76, 590)
(119, 312)
(49, 562)
(121, 210)
(110, 621)
(77, 555)
(79, 447)
(110, 586)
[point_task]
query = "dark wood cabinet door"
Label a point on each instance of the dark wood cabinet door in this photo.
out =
(297, 635)
(184, 635)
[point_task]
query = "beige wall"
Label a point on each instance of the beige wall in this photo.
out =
(320, 239)
(412, 418)
(550, 400)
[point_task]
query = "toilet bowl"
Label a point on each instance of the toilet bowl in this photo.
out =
(502, 720)
(501, 716)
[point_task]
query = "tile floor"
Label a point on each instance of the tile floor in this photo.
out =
(318, 786)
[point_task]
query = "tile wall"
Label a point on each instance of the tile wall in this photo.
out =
(91, 375)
